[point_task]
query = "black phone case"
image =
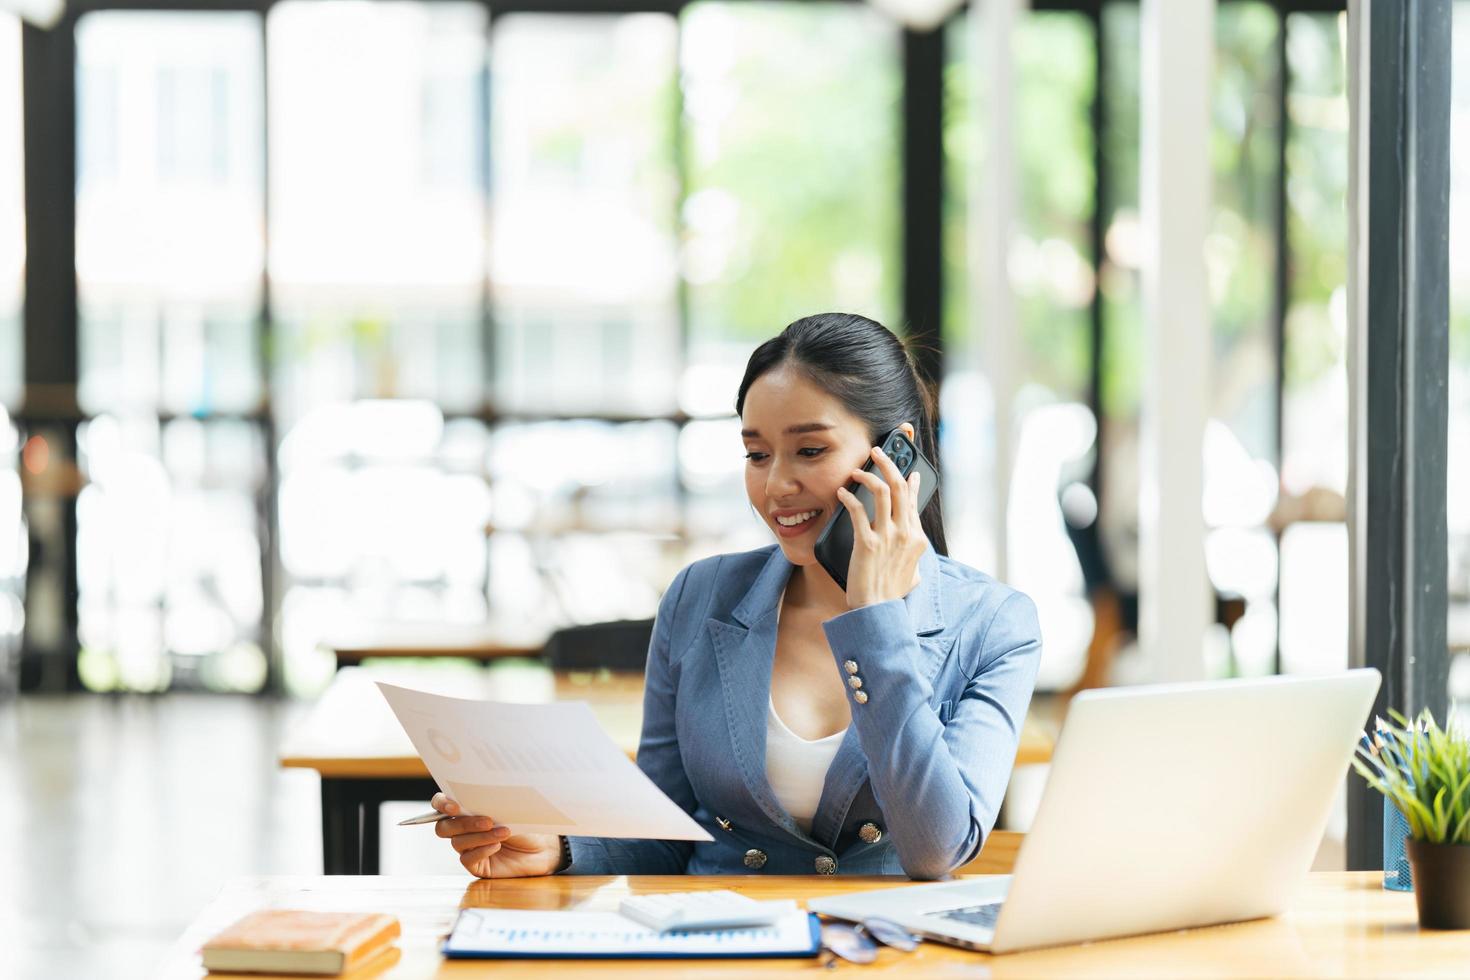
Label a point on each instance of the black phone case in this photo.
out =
(834, 545)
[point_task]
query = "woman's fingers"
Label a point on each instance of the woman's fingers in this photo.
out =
(455, 826)
(882, 499)
(899, 486)
(861, 529)
(469, 842)
(476, 861)
(444, 804)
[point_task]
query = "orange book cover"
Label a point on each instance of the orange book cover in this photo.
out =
(292, 941)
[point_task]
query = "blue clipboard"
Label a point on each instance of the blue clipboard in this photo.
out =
(482, 933)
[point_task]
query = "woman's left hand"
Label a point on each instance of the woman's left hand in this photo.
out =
(886, 550)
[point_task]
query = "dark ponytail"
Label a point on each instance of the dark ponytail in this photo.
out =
(863, 365)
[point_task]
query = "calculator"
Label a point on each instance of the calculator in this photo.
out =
(702, 910)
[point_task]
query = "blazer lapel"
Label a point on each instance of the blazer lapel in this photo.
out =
(745, 651)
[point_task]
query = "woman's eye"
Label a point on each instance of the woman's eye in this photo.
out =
(756, 457)
(811, 452)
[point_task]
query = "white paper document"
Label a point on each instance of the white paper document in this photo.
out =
(537, 768)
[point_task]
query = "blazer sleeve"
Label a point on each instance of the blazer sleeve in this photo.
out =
(939, 786)
(658, 757)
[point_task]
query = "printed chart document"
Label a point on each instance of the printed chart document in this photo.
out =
(607, 935)
(537, 768)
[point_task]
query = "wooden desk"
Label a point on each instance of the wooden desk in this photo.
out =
(352, 739)
(1341, 924)
(419, 640)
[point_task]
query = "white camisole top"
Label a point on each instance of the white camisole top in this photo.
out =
(797, 767)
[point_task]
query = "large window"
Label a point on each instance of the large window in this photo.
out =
(1056, 281)
(170, 201)
(584, 253)
(377, 261)
(377, 216)
(479, 347)
(1051, 271)
(1314, 586)
(793, 151)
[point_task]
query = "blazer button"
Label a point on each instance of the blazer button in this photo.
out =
(724, 824)
(861, 697)
(854, 682)
(850, 666)
(755, 859)
(826, 865)
(870, 833)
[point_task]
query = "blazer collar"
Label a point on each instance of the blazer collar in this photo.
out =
(764, 595)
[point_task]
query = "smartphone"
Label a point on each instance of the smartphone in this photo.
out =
(834, 544)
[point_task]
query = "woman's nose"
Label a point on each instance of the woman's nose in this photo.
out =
(780, 480)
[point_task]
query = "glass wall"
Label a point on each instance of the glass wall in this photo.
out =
(584, 253)
(1052, 274)
(378, 219)
(480, 347)
(1270, 474)
(170, 252)
(1312, 513)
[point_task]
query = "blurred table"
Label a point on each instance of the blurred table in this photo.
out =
(1339, 924)
(474, 641)
(351, 738)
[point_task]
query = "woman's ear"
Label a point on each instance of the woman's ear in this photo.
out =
(908, 430)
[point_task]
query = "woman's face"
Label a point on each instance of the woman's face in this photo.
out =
(801, 444)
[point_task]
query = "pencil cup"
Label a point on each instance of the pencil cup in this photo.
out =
(1396, 875)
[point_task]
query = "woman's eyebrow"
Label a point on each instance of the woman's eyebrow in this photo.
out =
(791, 430)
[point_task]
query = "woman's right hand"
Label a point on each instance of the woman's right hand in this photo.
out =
(490, 851)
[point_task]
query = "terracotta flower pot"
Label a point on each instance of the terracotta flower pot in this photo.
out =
(1441, 883)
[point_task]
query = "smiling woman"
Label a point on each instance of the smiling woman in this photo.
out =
(869, 729)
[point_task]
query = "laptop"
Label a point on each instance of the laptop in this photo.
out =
(1168, 806)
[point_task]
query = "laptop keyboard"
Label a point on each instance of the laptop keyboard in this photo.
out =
(975, 915)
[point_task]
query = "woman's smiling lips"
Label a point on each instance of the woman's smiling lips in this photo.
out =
(791, 522)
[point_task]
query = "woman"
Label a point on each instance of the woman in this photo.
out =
(808, 728)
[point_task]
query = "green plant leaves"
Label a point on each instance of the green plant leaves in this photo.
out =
(1424, 771)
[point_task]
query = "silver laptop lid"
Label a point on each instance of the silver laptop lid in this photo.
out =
(1179, 805)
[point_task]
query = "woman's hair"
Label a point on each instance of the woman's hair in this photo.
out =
(861, 363)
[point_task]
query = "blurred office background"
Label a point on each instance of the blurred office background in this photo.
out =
(433, 312)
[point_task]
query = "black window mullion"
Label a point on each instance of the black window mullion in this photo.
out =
(923, 197)
(1281, 289)
(267, 494)
(51, 357)
(1399, 77)
(1098, 232)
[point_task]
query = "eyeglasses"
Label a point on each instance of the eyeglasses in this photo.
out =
(858, 943)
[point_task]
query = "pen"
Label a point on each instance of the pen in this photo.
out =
(433, 816)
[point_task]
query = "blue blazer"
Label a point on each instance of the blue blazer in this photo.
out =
(916, 784)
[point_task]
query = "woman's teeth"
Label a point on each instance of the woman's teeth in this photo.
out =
(796, 519)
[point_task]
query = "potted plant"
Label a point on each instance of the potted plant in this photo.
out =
(1424, 771)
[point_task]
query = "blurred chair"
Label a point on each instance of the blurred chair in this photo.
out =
(618, 646)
